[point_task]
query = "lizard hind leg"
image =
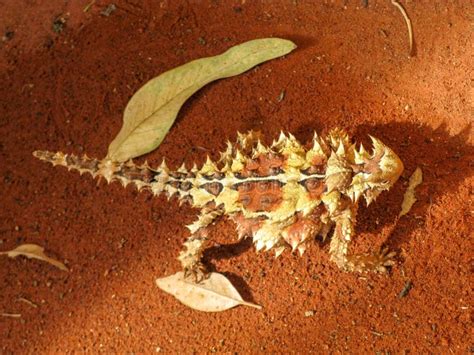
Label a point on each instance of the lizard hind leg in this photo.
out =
(193, 248)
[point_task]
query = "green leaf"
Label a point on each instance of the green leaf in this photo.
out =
(151, 111)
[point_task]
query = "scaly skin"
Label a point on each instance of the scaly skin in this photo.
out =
(281, 196)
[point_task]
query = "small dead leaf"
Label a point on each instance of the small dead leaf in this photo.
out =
(33, 251)
(151, 111)
(214, 294)
(409, 198)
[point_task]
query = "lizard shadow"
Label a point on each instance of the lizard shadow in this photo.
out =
(445, 160)
(228, 251)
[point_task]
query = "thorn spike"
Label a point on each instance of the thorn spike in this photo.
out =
(182, 168)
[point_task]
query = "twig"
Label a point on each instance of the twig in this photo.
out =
(11, 315)
(28, 302)
(408, 23)
(88, 6)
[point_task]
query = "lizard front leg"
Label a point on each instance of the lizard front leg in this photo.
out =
(191, 255)
(339, 248)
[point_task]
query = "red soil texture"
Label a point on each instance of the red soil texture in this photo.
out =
(66, 88)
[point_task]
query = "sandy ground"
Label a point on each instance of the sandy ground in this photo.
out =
(66, 77)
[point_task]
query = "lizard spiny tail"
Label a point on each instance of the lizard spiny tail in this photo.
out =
(158, 181)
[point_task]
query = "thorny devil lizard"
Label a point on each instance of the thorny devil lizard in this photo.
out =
(282, 195)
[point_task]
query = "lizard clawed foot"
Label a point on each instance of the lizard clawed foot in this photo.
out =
(384, 258)
(375, 262)
(196, 273)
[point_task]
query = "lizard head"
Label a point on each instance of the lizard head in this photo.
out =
(374, 172)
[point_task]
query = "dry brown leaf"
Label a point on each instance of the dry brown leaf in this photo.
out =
(33, 251)
(409, 198)
(214, 294)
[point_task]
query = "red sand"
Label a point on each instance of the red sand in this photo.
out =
(66, 91)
